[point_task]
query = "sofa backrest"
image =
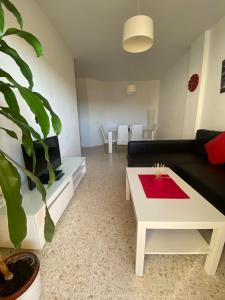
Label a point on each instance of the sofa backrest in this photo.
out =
(160, 146)
(203, 136)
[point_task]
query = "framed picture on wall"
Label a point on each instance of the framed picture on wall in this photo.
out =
(222, 86)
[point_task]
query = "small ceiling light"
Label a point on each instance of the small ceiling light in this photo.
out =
(131, 89)
(138, 33)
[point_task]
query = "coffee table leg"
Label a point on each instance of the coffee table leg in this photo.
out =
(140, 250)
(216, 244)
(127, 189)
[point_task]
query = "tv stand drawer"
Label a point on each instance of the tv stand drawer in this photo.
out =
(60, 203)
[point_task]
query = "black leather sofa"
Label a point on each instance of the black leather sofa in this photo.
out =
(188, 159)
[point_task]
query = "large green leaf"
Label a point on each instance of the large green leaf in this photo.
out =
(18, 119)
(29, 38)
(35, 180)
(15, 118)
(33, 101)
(14, 11)
(29, 174)
(2, 21)
(27, 141)
(11, 133)
(9, 96)
(7, 76)
(10, 183)
(37, 108)
(56, 123)
(49, 226)
(24, 68)
(21, 122)
(49, 165)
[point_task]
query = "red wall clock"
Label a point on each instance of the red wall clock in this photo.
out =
(193, 82)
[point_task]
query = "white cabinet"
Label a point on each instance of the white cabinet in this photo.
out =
(58, 197)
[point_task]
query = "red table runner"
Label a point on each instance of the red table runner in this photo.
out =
(162, 187)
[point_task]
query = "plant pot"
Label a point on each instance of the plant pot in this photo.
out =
(26, 283)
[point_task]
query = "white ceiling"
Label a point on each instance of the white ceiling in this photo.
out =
(93, 30)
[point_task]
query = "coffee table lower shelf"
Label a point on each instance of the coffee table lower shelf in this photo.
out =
(175, 241)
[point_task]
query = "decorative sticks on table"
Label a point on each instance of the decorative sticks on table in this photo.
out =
(159, 167)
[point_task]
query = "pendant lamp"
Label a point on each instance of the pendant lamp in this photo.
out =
(138, 34)
(131, 89)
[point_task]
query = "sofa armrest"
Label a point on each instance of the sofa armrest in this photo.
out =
(160, 146)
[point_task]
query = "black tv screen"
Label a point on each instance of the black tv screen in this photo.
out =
(41, 170)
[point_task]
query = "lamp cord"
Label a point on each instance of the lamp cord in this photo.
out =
(138, 7)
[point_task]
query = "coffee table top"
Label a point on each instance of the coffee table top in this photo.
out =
(195, 212)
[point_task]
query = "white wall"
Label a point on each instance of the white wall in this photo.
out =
(213, 113)
(192, 98)
(205, 107)
(172, 100)
(53, 77)
(106, 103)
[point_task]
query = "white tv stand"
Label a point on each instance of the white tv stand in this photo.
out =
(58, 197)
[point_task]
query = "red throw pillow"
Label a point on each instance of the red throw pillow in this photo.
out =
(216, 149)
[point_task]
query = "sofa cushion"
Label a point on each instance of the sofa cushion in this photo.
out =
(203, 136)
(169, 159)
(216, 149)
(207, 179)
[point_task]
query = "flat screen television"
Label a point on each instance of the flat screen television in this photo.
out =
(41, 170)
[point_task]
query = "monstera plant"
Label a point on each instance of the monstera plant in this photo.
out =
(10, 180)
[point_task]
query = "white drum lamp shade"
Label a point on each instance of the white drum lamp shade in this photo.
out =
(131, 89)
(138, 34)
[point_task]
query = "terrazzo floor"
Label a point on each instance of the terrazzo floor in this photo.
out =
(92, 255)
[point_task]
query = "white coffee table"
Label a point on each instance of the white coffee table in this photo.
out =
(170, 226)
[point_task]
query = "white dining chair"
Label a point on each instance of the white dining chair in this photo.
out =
(137, 133)
(105, 140)
(122, 138)
(150, 134)
(154, 130)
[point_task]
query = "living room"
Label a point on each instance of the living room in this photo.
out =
(102, 229)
